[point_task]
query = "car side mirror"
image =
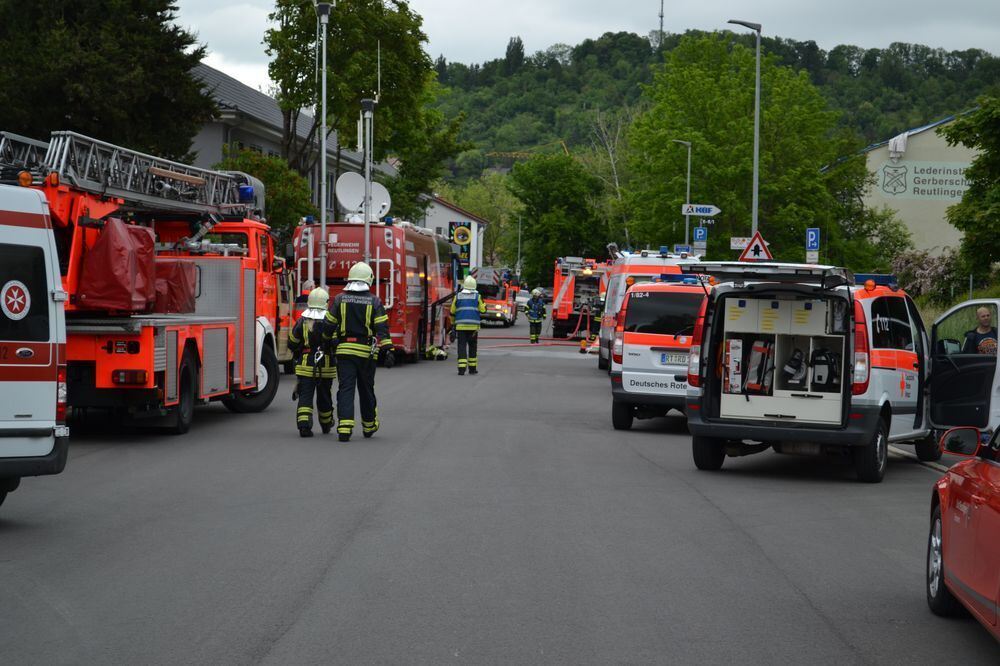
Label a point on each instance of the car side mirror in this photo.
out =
(278, 265)
(964, 442)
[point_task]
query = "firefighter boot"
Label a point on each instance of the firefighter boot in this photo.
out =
(305, 432)
(344, 429)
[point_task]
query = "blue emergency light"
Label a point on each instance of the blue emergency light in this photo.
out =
(664, 249)
(677, 279)
(880, 279)
(246, 194)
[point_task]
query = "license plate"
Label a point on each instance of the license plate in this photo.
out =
(673, 359)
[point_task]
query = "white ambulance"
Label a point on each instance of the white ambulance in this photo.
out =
(34, 438)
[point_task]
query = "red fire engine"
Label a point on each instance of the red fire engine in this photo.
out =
(499, 292)
(416, 272)
(577, 289)
(170, 278)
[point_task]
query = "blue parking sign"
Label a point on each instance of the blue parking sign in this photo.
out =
(812, 240)
(700, 234)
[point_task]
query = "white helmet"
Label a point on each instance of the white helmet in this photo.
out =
(361, 272)
(318, 301)
(536, 292)
(470, 283)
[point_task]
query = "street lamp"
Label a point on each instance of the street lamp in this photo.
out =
(756, 120)
(687, 200)
(323, 12)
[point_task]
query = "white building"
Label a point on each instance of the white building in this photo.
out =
(445, 217)
(918, 175)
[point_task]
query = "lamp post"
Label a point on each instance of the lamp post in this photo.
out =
(368, 114)
(323, 12)
(687, 200)
(756, 121)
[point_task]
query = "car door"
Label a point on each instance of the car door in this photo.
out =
(922, 344)
(962, 380)
(895, 361)
(985, 498)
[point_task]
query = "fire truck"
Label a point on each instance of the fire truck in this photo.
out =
(499, 291)
(170, 281)
(416, 273)
(577, 289)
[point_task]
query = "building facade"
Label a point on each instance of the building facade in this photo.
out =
(918, 175)
(448, 219)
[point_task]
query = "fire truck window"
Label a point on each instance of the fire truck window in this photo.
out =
(24, 294)
(265, 253)
(237, 239)
(489, 290)
(662, 313)
(891, 324)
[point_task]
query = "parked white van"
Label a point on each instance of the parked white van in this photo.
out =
(34, 438)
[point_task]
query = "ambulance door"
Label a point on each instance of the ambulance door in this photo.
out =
(921, 346)
(964, 366)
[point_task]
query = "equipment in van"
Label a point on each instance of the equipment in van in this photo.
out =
(825, 370)
(795, 368)
(733, 381)
(838, 317)
(760, 368)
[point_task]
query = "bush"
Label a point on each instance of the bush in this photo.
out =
(935, 278)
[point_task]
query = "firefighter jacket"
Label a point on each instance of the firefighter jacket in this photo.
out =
(358, 323)
(535, 309)
(306, 338)
(467, 307)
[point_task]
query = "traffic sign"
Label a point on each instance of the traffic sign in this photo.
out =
(700, 210)
(700, 234)
(812, 256)
(682, 249)
(756, 250)
(738, 242)
(812, 240)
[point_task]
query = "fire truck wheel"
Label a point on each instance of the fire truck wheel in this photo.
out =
(183, 413)
(709, 453)
(928, 449)
(621, 415)
(259, 399)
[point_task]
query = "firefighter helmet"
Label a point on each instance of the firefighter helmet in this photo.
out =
(361, 272)
(536, 292)
(470, 283)
(316, 306)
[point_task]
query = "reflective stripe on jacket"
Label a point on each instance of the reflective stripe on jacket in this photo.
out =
(468, 307)
(304, 340)
(359, 322)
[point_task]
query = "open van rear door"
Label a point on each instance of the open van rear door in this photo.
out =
(964, 379)
(827, 277)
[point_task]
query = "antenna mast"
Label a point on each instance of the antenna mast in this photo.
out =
(661, 25)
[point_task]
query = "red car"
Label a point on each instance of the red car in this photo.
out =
(963, 549)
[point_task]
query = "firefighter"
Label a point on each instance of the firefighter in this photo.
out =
(467, 309)
(535, 309)
(315, 368)
(359, 324)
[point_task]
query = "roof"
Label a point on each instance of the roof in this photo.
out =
(237, 97)
(461, 211)
(918, 130)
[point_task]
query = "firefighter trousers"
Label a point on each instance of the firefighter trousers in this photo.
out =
(535, 330)
(358, 373)
(322, 389)
(468, 347)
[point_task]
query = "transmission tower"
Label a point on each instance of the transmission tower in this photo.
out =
(661, 24)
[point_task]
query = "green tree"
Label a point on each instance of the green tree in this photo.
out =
(978, 214)
(117, 70)
(287, 197)
(490, 198)
(704, 94)
(356, 29)
(557, 196)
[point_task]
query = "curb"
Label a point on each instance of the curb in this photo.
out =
(912, 456)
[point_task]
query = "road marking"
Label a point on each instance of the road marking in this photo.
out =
(938, 467)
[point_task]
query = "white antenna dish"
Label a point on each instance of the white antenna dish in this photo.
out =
(381, 200)
(351, 190)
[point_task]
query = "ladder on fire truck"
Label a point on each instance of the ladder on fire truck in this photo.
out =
(143, 181)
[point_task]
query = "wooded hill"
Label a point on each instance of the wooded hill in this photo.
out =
(529, 104)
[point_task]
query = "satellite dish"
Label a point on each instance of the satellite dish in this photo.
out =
(351, 190)
(381, 200)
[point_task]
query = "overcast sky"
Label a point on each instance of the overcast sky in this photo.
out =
(478, 30)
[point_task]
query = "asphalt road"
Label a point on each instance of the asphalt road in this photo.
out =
(494, 519)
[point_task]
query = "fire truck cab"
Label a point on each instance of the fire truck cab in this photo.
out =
(496, 287)
(578, 288)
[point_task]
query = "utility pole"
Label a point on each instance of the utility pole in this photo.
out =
(368, 114)
(519, 246)
(756, 27)
(323, 11)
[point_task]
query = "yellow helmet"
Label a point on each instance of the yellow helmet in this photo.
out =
(316, 306)
(470, 283)
(361, 272)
